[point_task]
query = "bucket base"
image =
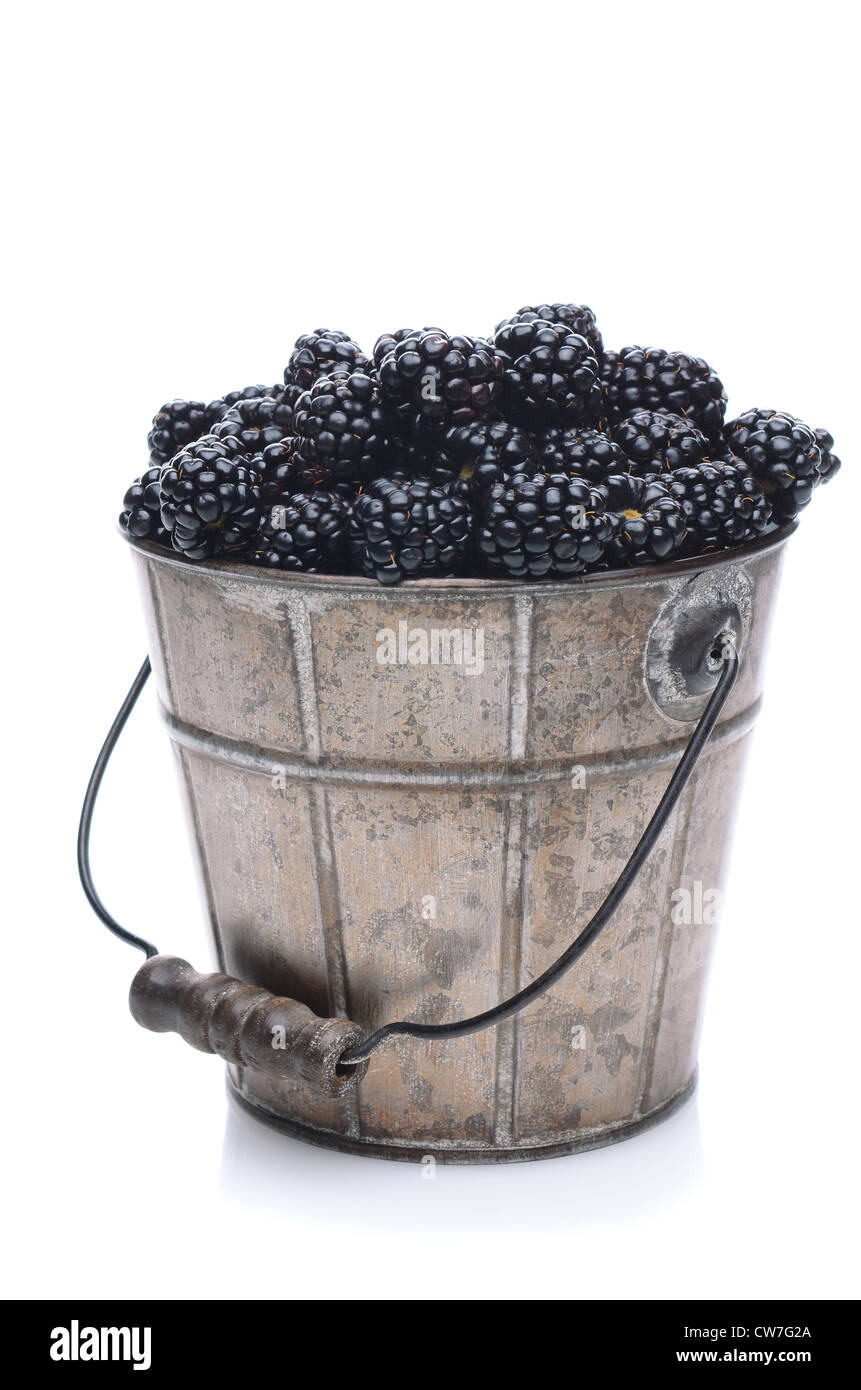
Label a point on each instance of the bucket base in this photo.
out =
(398, 1152)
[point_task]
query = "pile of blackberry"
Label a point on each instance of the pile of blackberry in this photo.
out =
(534, 452)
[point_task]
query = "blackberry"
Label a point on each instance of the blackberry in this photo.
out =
(549, 375)
(387, 342)
(441, 380)
(256, 422)
(425, 454)
(718, 451)
(177, 424)
(781, 453)
(342, 433)
(406, 528)
(274, 465)
(210, 501)
(587, 453)
(722, 504)
(316, 354)
(488, 452)
(141, 515)
(308, 531)
(578, 317)
(651, 379)
(289, 397)
(538, 525)
(648, 523)
(278, 479)
(217, 409)
(829, 463)
(654, 441)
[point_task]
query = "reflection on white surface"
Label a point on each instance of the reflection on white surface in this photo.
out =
(266, 1171)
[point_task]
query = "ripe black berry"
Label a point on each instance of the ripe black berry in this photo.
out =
(406, 528)
(316, 354)
(587, 454)
(657, 442)
(829, 463)
(648, 520)
(178, 423)
(276, 472)
(651, 379)
(210, 502)
(424, 454)
(342, 433)
(549, 375)
(578, 317)
(488, 452)
(256, 422)
(141, 514)
(388, 341)
(722, 504)
(308, 531)
(781, 453)
(440, 379)
(539, 525)
(217, 409)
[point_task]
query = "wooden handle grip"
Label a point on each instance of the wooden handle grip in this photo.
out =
(247, 1026)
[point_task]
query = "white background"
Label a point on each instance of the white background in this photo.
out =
(192, 186)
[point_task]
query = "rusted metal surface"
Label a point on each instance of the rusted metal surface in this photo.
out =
(391, 839)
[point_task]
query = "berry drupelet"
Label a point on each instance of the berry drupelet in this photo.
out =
(578, 317)
(210, 501)
(550, 376)
(543, 525)
(438, 380)
(407, 528)
(781, 453)
(342, 432)
(654, 441)
(588, 454)
(651, 379)
(308, 531)
(722, 504)
(316, 354)
(178, 423)
(141, 513)
(648, 520)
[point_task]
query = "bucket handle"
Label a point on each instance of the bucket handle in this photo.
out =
(250, 1027)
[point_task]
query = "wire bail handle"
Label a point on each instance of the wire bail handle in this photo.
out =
(218, 1013)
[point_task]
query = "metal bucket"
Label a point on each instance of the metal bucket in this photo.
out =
(407, 800)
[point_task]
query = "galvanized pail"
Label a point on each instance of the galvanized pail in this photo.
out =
(406, 802)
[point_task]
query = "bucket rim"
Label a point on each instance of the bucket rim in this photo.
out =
(236, 569)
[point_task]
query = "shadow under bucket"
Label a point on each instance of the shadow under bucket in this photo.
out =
(408, 801)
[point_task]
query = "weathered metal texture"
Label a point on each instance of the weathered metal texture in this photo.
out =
(415, 841)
